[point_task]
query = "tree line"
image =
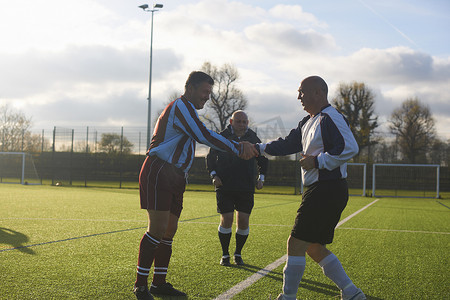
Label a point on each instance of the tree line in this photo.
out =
(413, 136)
(16, 136)
(414, 139)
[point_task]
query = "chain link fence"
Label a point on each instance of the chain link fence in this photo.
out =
(112, 156)
(101, 156)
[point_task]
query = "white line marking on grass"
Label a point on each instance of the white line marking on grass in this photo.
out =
(250, 280)
(355, 213)
(251, 224)
(345, 228)
(61, 219)
(396, 230)
(263, 272)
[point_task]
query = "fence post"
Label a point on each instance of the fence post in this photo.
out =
(120, 157)
(53, 155)
(373, 179)
(438, 177)
(42, 145)
(71, 158)
(42, 150)
(87, 151)
(23, 139)
(139, 150)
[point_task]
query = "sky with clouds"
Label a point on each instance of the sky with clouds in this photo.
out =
(86, 62)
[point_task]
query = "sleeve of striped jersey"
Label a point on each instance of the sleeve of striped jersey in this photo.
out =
(289, 145)
(339, 143)
(186, 118)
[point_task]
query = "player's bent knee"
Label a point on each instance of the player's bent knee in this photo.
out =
(317, 252)
(296, 247)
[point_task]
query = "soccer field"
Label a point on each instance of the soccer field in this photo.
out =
(82, 243)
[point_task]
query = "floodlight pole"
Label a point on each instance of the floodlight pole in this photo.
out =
(149, 113)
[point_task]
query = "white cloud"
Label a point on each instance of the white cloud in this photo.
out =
(284, 38)
(52, 24)
(88, 61)
(295, 13)
(223, 14)
(397, 64)
(76, 67)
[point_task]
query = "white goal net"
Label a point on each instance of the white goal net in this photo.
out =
(18, 167)
(356, 179)
(405, 180)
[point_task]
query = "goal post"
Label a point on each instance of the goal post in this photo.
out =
(356, 178)
(405, 180)
(18, 167)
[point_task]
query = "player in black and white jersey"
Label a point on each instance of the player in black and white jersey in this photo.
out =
(326, 142)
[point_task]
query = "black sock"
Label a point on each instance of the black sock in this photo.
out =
(240, 241)
(225, 242)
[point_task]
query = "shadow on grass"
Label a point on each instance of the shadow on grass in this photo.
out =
(319, 287)
(253, 269)
(170, 297)
(15, 239)
(329, 290)
(326, 289)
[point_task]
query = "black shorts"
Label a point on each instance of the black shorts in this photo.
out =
(228, 201)
(320, 211)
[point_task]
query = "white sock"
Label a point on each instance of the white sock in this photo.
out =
(224, 230)
(292, 275)
(332, 268)
(243, 231)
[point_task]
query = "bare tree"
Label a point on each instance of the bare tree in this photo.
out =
(439, 152)
(113, 143)
(413, 125)
(15, 134)
(226, 98)
(356, 102)
(385, 152)
(35, 143)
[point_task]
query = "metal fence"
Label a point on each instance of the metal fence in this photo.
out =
(74, 156)
(88, 139)
(77, 156)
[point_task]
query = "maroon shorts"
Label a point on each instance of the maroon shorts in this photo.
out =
(161, 186)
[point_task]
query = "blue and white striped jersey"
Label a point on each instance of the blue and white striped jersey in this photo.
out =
(327, 136)
(178, 129)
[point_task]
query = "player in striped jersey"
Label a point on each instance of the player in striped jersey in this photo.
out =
(163, 175)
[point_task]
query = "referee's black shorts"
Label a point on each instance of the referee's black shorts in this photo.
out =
(320, 211)
(228, 201)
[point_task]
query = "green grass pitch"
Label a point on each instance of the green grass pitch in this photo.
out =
(82, 243)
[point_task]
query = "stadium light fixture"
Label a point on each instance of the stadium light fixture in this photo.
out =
(145, 7)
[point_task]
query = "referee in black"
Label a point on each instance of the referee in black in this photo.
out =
(234, 180)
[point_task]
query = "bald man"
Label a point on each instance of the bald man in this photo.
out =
(234, 181)
(326, 142)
